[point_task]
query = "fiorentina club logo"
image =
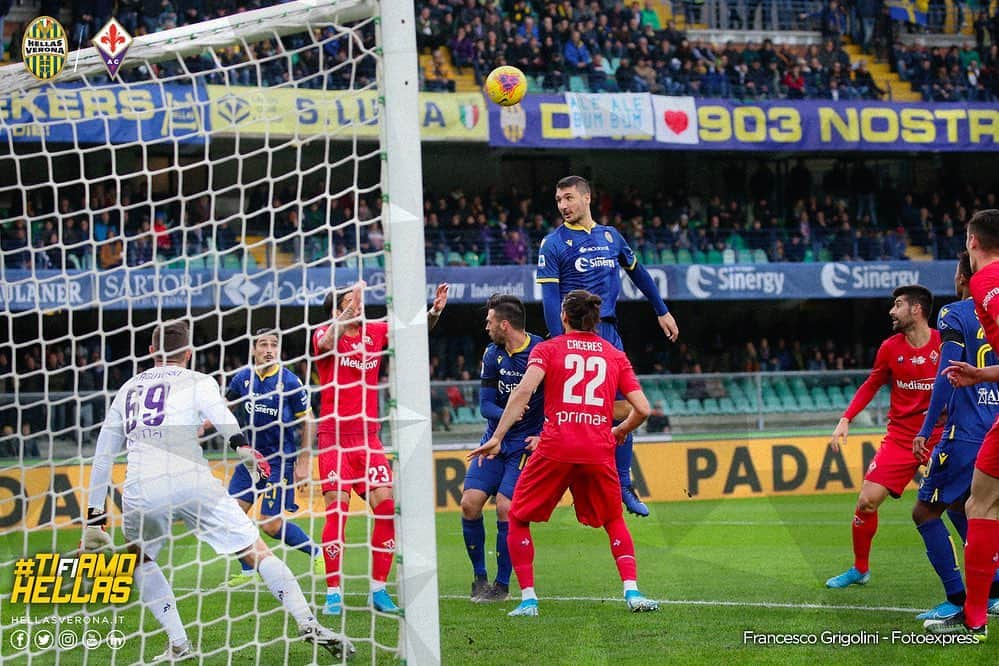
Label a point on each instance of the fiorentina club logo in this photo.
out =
(112, 41)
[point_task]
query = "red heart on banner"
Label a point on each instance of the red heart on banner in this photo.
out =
(677, 121)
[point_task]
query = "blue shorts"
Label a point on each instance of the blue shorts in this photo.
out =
(496, 476)
(948, 476)
(278, 492)
(608, 332)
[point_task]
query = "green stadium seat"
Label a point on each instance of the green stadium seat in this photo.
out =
(825, 255)
(772, 405)
(760, 257)
(465, 415)
(744, 406)
(809, 256)
(578, 84)
(694, 406)
(666, 257)
(805, 402)
(710, 406)
(677, 406)
(650, 255)
(534, 84)
(714, 257)
(727, 406)
(699, 257)
(788, 403)
(728, 256)
(683, 256)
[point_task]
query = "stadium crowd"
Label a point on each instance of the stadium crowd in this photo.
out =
(607, 45)
(850, 212)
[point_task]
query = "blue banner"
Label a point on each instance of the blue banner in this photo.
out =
(200, 289)
(74, 113)
(687, 123)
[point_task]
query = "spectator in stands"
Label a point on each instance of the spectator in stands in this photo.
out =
(463, 49)
(577, 57)
(139, 250)
(437, 75)
(111, 251)
(794, 81)
(428, 31)
(658, 421)
(864, 85)
(515, 249)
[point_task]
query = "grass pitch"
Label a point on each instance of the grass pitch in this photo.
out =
(720, 568)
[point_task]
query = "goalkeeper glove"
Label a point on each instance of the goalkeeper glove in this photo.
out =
(95, 536)
(255, 463)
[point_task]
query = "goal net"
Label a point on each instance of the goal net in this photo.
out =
(231, 174)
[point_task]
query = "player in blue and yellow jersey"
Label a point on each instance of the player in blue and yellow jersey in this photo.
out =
(503, 366)
(971, 411)
(275, 405)
(582, 254)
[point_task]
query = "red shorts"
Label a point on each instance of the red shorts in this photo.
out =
(988, 456)
(596, 491)
(894, 466)
(354, 461)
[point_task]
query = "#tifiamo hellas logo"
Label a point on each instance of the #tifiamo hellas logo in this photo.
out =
(44, 48)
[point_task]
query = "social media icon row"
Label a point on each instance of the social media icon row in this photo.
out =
(44, 639)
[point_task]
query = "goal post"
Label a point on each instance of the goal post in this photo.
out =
(281, 148)
(405, 276)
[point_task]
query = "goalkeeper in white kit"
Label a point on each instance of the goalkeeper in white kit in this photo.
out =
(156, 415)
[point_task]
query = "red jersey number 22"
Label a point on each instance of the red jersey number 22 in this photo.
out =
(592, 367)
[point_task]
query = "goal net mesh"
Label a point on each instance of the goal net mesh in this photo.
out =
(231, 175)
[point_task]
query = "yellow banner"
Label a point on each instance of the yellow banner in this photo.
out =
(663, 472)
(340, 114)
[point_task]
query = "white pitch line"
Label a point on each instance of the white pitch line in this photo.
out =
(668, 602)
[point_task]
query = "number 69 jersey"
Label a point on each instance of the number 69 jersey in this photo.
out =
(162, 408)
(583, 373)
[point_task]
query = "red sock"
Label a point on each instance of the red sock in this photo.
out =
(622, 548)
(521, 546)
(980, 566)
(865, 526)
(383, 540)
(336, 519)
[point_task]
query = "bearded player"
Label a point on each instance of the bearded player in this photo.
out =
(908, 361)
(582, 254)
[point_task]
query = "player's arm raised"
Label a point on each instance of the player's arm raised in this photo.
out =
(879, 376)
(303, 463)
(109, 443)
(515, 407)
(353, 311)
(641, 279)
(440, 302)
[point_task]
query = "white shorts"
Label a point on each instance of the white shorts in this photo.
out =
(156, 495)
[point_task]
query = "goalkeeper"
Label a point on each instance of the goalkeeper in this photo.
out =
(157, 415)
(274, 403)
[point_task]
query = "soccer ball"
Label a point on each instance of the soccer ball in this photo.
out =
(506, 85)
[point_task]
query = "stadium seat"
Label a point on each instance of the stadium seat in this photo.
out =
(727, 406)
(699, 257)
(825, 255)
(534, 84)
(744, 406)
(677, 406)
(744, 257)
(694, 406)
(466, 415)
(728, 256)
(714, 257)
(667, 257)
(650, 255)
(760, 257)
(710, 406)
(683, 256)
(578, 84)
(788, 403)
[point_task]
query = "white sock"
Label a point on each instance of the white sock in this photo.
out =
(334, 590)
(282, 584)
(157, 597)
(376, 586)
(528, 593)
(630, 585)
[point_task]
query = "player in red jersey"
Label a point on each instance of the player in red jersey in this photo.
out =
(349, 353)
(582, 372)
(908, 360)
(981, 551)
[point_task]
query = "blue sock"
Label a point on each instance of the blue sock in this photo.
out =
(622, 459)
(474, 532)
(503, 565)
(940, 550)
(295, 536)
(960, 521)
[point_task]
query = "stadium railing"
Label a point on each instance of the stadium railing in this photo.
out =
(695, 404)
